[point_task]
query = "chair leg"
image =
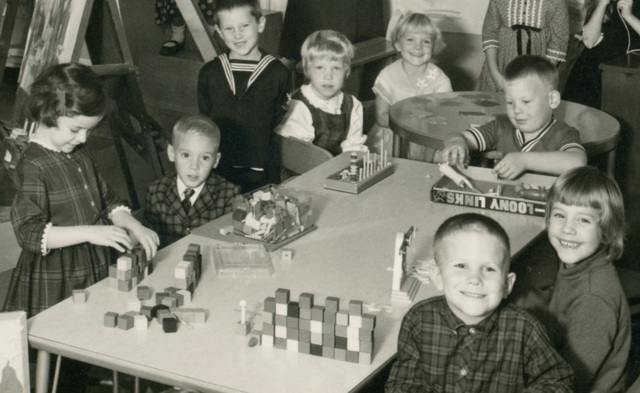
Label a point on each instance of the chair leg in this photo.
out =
(56, 375)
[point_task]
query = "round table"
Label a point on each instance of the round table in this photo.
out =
(429, 119)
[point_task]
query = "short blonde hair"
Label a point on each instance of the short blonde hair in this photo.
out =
(330, 43)
(196, 125)
(589, 187)
(417, 22)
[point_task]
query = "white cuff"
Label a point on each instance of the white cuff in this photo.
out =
(45, 235)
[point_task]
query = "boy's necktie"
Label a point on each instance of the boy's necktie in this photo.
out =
(186, 201)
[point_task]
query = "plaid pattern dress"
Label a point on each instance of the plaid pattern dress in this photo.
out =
(59, 189)
(165, 215)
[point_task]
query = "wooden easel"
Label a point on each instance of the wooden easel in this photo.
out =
(129, 119)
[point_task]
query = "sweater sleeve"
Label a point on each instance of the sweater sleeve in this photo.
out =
(588, 339)
(491, 27)
(559, 37)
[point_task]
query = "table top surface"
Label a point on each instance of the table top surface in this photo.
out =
(431, 118)
(349, 256)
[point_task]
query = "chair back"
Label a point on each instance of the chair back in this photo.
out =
(299, 156)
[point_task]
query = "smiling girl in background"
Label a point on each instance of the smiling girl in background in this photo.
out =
(320, 112)
(417, 39)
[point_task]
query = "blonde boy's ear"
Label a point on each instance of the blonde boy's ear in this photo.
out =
(554, 99)
(217, 160)
(171, 153)
(436, 277)
(511, 279)
(261, 24)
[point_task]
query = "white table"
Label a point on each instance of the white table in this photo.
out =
(348, 256)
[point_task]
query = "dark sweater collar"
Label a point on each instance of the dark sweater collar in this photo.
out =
(596, 261)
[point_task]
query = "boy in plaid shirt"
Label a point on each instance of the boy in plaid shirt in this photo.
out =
(469, 340)
(177, 203)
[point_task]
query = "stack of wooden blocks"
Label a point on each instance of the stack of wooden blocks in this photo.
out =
(187, 272)
(129, 269)
(318, 330)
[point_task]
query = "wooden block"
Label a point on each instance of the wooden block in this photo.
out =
(144, 292)
(281, 309)
(305, 313)
(355, 307)
(125, 322)
(316, 338)
(281, 331)
(328, 328)
(306, 301)
(366, 346)
(292, 323)
(368, 321)
(341, 342)
(243, 329)
(182, 270)
(281, 320)
(268, 329)
(125, 286)
(268, 317)
(162, 314)
(304, 336)
(293, 310)
(316, 349)
(188, 315)
(170, 324)
(341, 331)
(355, 321)
(364, 358)
(282, 296)
(146, 311)
(124, 275)
(330, 317)
(340, 354)
(111, 319)
(286, 255)
(304, 347)
(327, 352)
(353, 345)
(317, 313)
(292, 345)
(332, 304)
(304, 324)
(293, 334)
(170, 301)
(171, 290)
(366, 334)
(280, 343)
(316, 327)
(79, 296)
(125, 262)
(270, 305)
(342, 318)
(140, 322)
(193, 248)
(353, 357)
(329, 340)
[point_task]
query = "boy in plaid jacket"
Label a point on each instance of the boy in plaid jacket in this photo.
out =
(194, 195)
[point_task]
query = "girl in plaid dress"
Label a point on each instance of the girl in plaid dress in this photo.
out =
(515, 27)
(65, 216)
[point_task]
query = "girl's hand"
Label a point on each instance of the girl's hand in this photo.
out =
(110, 236)
(511, 166)
(624, 6)
(498, 79)
(147, 238)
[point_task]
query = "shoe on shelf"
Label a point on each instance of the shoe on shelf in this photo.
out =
(171, 47)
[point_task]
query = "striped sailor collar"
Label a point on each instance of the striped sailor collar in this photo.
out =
(260, 67)
(527, 146)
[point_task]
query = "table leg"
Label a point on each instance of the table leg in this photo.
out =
(397, 146)
(611, 163)
(42, 371)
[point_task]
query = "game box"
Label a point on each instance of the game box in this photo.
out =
(496, 196)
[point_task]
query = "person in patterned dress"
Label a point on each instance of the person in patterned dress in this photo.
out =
(513, 28)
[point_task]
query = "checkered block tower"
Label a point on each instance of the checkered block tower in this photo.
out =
(318, 330)
(129, 269)
(187, 272)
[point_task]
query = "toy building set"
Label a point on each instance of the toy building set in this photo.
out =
(361, 173)
(129, 269)
(272, 215)
(311, 329)
(455, 189)
(167, 309)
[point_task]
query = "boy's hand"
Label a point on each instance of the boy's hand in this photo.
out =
(147, 238)
(511, 166)
(110, 236)
(455, 152)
